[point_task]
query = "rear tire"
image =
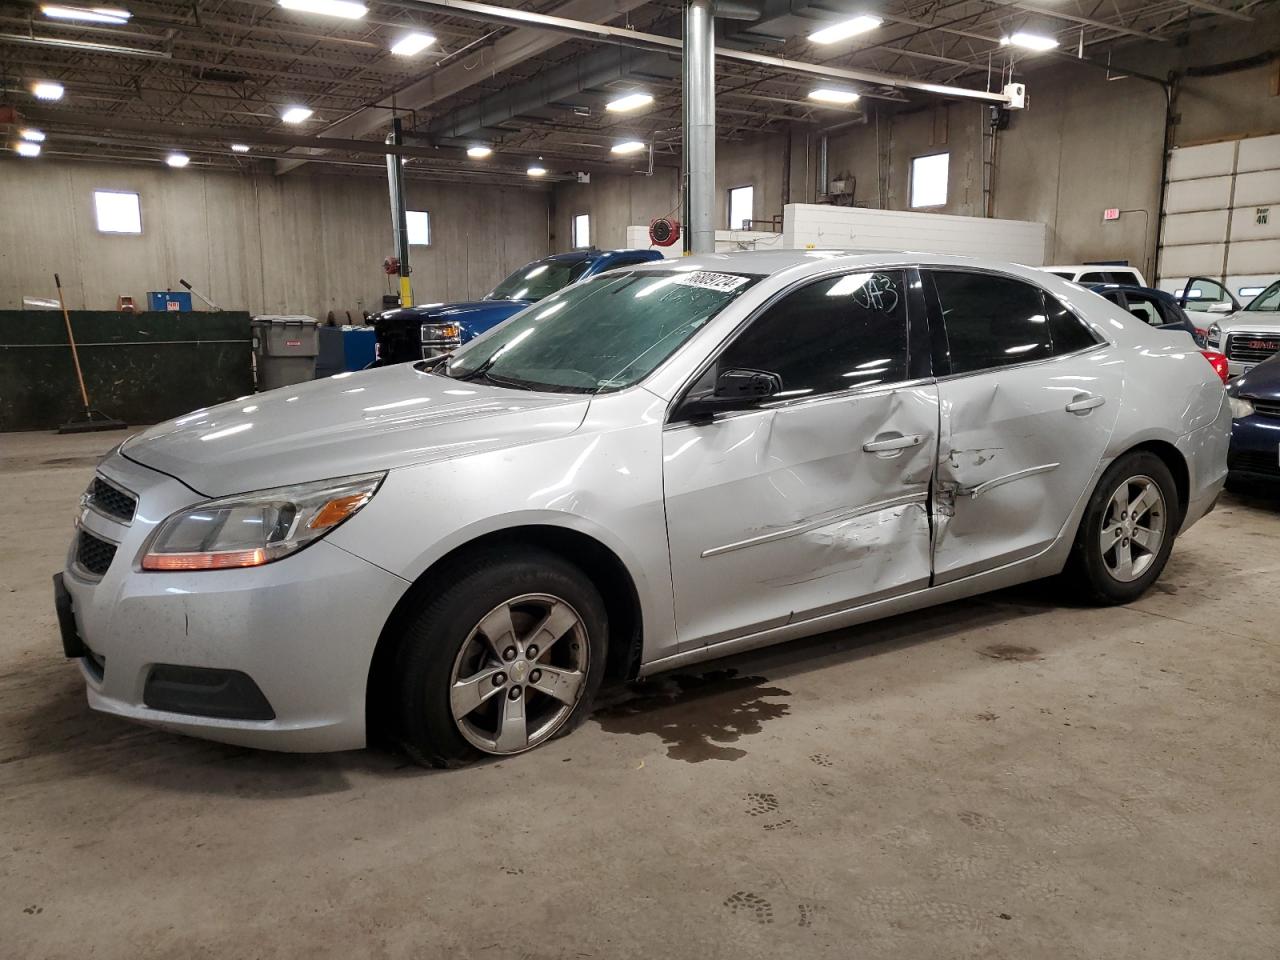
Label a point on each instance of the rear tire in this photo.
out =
(508, 655)
(1126, 533)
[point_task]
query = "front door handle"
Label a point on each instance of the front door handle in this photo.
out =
(1084, 402)
(892, 444)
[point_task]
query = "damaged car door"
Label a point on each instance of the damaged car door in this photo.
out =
(1028, 403)
(797, 464)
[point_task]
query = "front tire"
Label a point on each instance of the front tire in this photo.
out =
(1127, 531)
(508, 655)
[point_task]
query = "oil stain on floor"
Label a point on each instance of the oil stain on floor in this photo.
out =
(696, 715)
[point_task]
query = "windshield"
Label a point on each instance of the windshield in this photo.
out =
(604, 334)
(539, 279)
(1268, 299)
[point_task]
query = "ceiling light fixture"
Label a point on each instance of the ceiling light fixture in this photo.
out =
(177, 159)
(47, 90)
(630, 146)
(27, 149)
(630, 101)
(33, 135)
(831, 95)
(295, 114)
(329, 8)
(240, 147)
(87, 15)
(536, 171)
(1030, 41)
(845, 29)
(412, 44)
(479, 151)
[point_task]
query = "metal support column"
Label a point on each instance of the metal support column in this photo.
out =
(399, 215)
(700, 126)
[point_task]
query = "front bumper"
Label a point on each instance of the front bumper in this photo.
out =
(302, 630)
(1255, 449)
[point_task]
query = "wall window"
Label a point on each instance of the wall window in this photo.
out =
(832, 335)
(581, 231)
(929, 180)
(741, 204)
(419, 224)
(117, 211)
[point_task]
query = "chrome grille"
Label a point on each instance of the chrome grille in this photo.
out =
(93, 553)
(111, 500)
(1251, 347)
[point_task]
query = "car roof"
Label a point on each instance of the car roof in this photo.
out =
(1091, 266)
(770, 262)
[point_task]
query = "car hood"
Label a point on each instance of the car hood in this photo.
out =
(471, 308)
(1260, 383)
(1265, 320)
(347, 424)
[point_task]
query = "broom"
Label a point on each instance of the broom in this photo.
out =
(94, 420)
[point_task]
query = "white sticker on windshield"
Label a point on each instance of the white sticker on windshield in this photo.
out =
(707, 280)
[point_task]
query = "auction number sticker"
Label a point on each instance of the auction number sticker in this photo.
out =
(707, 280)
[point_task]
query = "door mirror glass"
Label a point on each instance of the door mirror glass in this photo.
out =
(747, 385)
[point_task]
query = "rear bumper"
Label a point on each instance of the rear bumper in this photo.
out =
(1205, 451)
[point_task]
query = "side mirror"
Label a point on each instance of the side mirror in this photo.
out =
(734, 390)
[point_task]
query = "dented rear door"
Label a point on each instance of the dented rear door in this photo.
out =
(1026, 411)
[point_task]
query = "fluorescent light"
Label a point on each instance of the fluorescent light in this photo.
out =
(295, 114)
(27, 149)
(87, 15)
(32, 134)
(329, 8)
(831, 95)
(631, 146)
(412, 44)
(536, 171)
(845, 29)
(631, 101)
(1030, 41)
(478, 151)
(240, 147)
(177, 159)
(47, 90)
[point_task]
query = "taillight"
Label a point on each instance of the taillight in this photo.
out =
(1219, 363)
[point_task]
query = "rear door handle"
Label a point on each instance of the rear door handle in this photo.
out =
(1084, 402)
(892, 444)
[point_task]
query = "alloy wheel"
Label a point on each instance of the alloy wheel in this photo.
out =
(519, 674)
(1133, 528)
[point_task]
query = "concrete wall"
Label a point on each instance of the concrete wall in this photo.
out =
(256, 242)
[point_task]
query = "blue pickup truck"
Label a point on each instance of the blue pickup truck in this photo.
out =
(414, 333)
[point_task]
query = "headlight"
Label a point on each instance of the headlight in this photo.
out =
(251, 529)
(1240, 407)
(1215, 335)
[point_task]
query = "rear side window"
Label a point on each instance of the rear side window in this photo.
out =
(835, 334)
(1067, 331)
(991, 321)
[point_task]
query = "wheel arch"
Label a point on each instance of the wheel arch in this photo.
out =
(598, 562)
(1176, 462)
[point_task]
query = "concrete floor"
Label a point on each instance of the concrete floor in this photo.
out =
(1003, 777)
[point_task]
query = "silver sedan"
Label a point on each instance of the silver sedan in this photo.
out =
(653, 468)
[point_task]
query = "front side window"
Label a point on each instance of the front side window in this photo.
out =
(603, 334)
(117, 211)
(929, 180)
(1268, 299)
(539, 279)
(991, 321)
(835, 334)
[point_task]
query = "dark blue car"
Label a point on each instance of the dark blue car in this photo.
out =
(414, 333)
(1255, 427)
(1151, 306)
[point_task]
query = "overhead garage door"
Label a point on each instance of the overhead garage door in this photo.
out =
(1222, 215)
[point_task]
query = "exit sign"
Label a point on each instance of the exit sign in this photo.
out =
(1111, 213)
